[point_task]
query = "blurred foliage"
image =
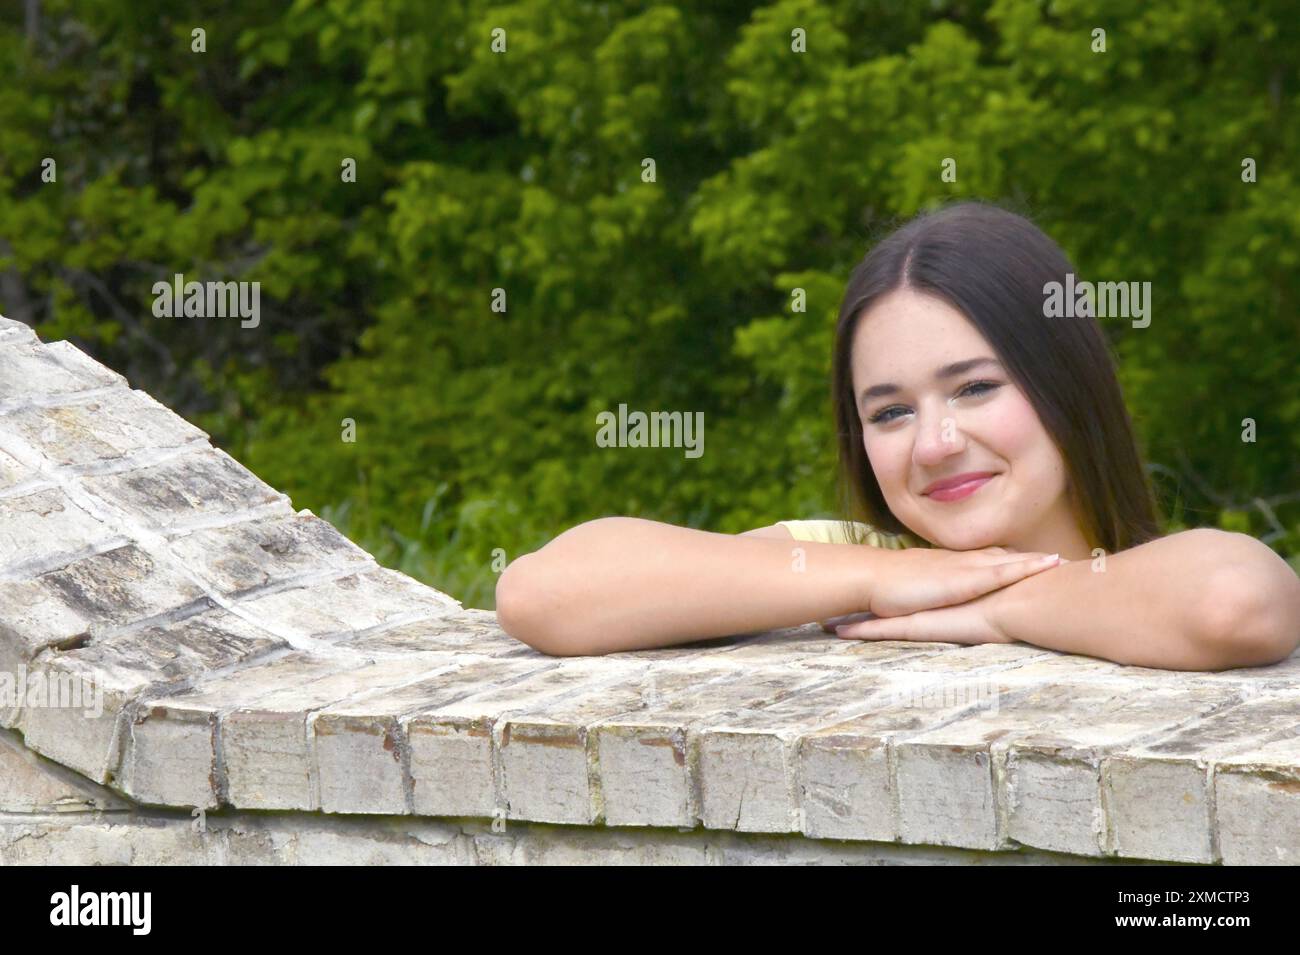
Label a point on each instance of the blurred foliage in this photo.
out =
(522, 170)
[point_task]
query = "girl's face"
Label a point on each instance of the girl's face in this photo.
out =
(939, 404)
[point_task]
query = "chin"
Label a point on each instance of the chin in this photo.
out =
(971, 540)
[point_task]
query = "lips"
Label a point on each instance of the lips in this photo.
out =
(958, 484)
(956, 480)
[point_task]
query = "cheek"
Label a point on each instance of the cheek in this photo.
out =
(1013, 429)
(890, 459)
(1017, 435)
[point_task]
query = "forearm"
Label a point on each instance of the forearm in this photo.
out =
(627, 583)
(1146, 608)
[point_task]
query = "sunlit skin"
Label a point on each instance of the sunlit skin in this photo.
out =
(1194, 600)
(974, 420)
(1197, 599)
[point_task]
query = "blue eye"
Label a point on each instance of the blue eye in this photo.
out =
(974, 388)
(987, 386)
(880, 415)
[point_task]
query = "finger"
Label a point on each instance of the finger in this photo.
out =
(1012, 556)
(1009, 552)
(996, 576)
(1013, 570)
(830, 623)
(882, 628)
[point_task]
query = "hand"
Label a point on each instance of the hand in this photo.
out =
(909, 581)
(830, 623)
(971, 622)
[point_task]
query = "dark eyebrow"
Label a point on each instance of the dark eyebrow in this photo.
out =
(947, 371)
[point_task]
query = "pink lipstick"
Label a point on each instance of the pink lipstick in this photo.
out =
(958, 487)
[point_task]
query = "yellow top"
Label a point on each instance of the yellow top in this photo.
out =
(836, 532)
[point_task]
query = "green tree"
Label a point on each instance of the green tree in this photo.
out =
(525, 170)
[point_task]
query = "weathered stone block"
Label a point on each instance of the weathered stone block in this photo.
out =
(102, 429)
(72, 358)
(1161, 792)
(12, 331)
(647, 755)
(458, 734)
(30, 369)
(1281, 676)
(188, 721)
(361, 743)
(385, 843)
(16, 476)
(271, 747)
(238, 558)
(979, 660)
(181, 651)
(666, 766)
(120, 586)
(550, 754)
(467, 630)
(1258, 804)
(338, 609)
(86, 597)
(30, 783)
(120, 668)
(81, 727)
(846, 770)
(40, 527)
(1054, 792)
(947, 785)
(169, 757)
(173, 495)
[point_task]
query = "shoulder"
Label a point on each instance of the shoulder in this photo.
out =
(847, 532)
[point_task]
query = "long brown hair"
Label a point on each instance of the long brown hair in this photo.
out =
(992, 265)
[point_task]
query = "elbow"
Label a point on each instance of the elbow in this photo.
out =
(1251, 617)
(527, 609)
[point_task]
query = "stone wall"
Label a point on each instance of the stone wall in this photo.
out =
(255, 688)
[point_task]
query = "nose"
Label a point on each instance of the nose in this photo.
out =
(937, 438)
